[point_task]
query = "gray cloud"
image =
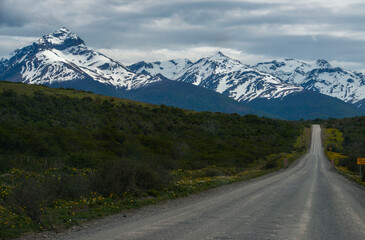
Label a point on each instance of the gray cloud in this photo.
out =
(302, 29)
(10, 16)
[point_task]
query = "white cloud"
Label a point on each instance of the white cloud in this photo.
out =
(13, 42)
(356, 66)
(130, 56)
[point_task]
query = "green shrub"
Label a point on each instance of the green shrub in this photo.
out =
(271, 161)
(28, 197)
(211, 172)
(66, 186)
(115, 176)
(147, 177)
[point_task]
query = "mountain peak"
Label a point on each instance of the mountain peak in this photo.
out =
(63, 30)
(61, 39)
(220, 58)
(323, 63)
(289, 59)
(219, 55)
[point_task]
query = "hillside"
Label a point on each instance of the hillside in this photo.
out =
(187, 96)
(77, 155)
(30, 90)
(83, 128)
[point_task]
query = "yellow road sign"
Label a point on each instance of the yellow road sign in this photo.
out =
(361, 161)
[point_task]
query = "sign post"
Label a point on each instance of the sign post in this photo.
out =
(360, 161)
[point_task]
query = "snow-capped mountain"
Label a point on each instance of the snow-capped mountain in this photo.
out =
(2, 64)
(223, 75)
(318, 76)
(168, 69)
(62, 57)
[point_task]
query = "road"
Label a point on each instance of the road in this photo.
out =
(309, 200)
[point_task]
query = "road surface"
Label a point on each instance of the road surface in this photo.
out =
(306, 201)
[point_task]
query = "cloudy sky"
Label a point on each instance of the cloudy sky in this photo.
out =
(249, 30)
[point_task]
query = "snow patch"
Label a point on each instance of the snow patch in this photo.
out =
(320, 76)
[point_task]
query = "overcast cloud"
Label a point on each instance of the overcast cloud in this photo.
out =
(249, 30)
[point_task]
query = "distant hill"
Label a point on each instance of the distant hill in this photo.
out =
(306, 105)
(187, 96)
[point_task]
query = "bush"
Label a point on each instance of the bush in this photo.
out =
(119, 176)
(66, 186)
(211, 172)
(271, 161)
(271, 164)
(147, 177)
(32, 192)
(27, 198)
(116, 176)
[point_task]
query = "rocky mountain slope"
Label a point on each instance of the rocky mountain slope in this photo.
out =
(223, 75)
(319, 76)
(62, 57)
(275, 79)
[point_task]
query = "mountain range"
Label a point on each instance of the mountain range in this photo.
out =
(319, 76)
(288, 89)
(223, 75)
(290, 76)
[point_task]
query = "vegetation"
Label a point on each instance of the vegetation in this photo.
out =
(345, 142)
(68, 156)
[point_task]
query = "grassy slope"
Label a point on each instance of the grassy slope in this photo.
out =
(118, 154)
(29, 90)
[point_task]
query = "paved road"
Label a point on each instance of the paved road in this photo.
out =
(306, 201)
